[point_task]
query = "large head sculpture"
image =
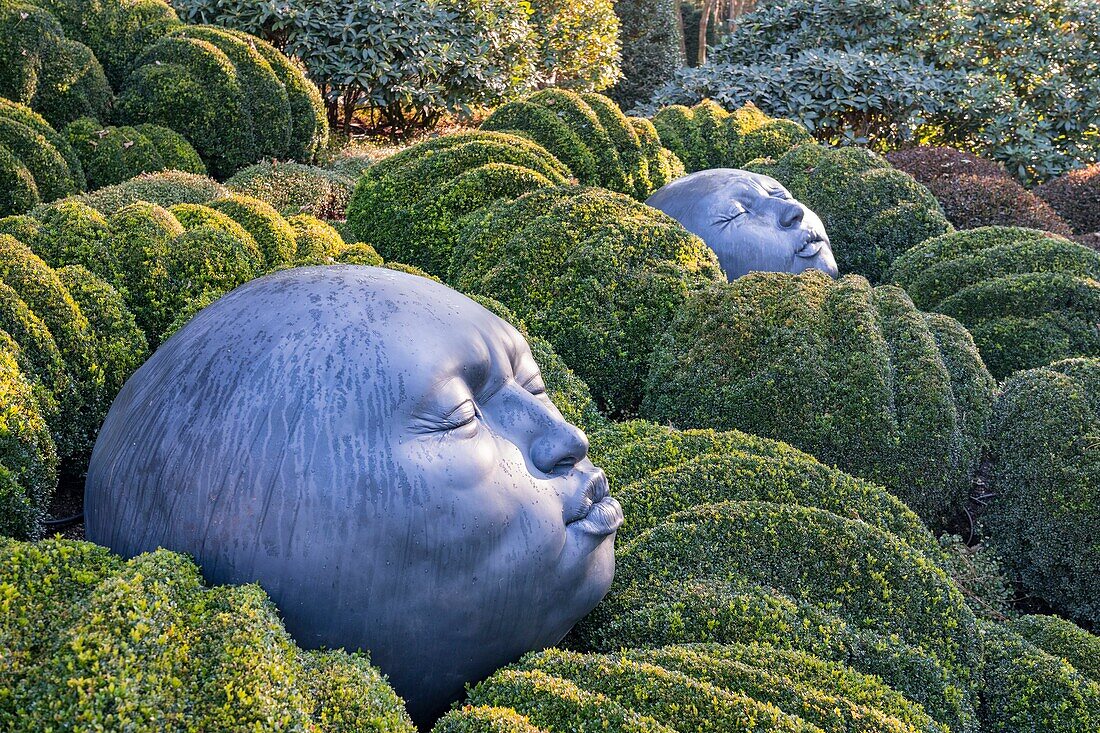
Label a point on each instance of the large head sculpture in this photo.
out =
(379, 453)
(750, 221)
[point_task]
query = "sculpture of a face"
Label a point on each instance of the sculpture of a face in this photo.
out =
(379, 453)
(750, 221)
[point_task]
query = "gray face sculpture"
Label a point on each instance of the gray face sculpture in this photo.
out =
(379, 453)
(750, 221)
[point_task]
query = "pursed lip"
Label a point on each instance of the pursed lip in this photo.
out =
(600, 513)
(814, 242)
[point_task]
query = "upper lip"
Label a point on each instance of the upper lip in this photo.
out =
(808, 247)
(597, 496)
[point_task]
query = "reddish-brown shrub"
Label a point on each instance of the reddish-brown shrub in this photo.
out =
(1076, 198)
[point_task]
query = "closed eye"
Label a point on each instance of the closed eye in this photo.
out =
(460, 416)
(535, 385)
(733, 215)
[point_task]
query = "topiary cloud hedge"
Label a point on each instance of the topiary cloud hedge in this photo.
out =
(111, 155)
(36, 163)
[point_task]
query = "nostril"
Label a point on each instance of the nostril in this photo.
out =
(791, 215)
(559, 448)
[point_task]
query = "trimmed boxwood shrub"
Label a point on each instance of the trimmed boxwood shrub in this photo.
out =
(316, 242)
(1028, 297)
(36, 164)
(28, 457)
(141, 238)
(111, 155)
(1045, 474)
(662, 165)
(1027, 689)
(852, 374)
(143, 644)
(1062, 639)
(404, 206)
(595, 273)
(871, 211)
(358, 254)
(295, 188)
(742, 612)
(484, 719)
(1076, 198)
(707, 136)
(38, 359)
(167, 188)
(26, 116)
(275, 237)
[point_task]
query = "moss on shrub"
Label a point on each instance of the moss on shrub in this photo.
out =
(871, 211)
(1045, 474)
(167, 188)
(143, 644)
(593, 272)
(275, 237)
(111, 155)
(1028, 297)
(28, 457)
(295, 188)
(849, 373)
(398, 205)
(484, 719)
(1076, 198)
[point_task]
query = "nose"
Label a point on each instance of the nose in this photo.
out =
(790, 214)
(558, 446)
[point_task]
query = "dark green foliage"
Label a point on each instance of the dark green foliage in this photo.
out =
(1045, 474)
(167, 188)
(141, 237)
(652, 39)
(18, 191)
(1076, 198)
(67, 232)
(143, 644)
(213, 254)
(851, 374)
(548, 130)
(1062, 639)
(272, 233)
(28, 458)
(594, 273)
(294, 188)
(662, 165)
(36, 164)
(317, 242)
(707, 136)
(482, 719)
(1027, 689)
(633, 159)
(25, 116)
(872, 212)
(1028, 297)
(111, 155)
(400, 205)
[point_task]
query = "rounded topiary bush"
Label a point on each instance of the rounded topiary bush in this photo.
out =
(295, 188)
(357, 254)
(707, 136)
(28, 457)
(316, 242)
(662, 165)
(272, 233)
(167, 188)
(1064, 640)
(853, 375)
(143, 644)
(36, 163)
(406, 207)
(871, 211)
(38, 358)
(484, 719)
(1045, 475)
(975, 192)
(1076, 198)
(1027, 297)
(111, 155)
(595, 273)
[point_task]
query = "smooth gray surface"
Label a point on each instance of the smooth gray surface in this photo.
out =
(750, 221)
(375, 450)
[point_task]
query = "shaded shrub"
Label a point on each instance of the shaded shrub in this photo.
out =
(707, 136)
(1064, 640)
(872, 212)
(484, 719)
(111, 155)
(653, 41)
(1028, 689)
(294, 188)
(407, 206)
(164, 189)
(849, 373)
(1044, 473)
(1076, 197)
(595, 273)
(1027, 297)
(274, 236)
(28, 458)
(36, 164)
(143, 643)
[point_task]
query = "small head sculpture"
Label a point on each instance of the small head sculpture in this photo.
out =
(750, 221)
(378, 452)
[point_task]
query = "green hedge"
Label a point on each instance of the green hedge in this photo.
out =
(317, 242)
(1045, 475)
(595, 273)
(273, 234)
(707, 136)
(483, 719)
(359, 254)
(400, 206)
(653, 47)
(872, 212)
(36, 164)
(1027, 689)
(111, 155)
(1064, 640)
(662, 165)
(295, 188)
(852, 374)
(167, 188)
(1028, 297)
(587, 132)
(142, 644)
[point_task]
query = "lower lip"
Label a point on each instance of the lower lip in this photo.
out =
(603, 519)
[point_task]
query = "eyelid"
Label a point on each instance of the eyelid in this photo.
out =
(534, 384)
